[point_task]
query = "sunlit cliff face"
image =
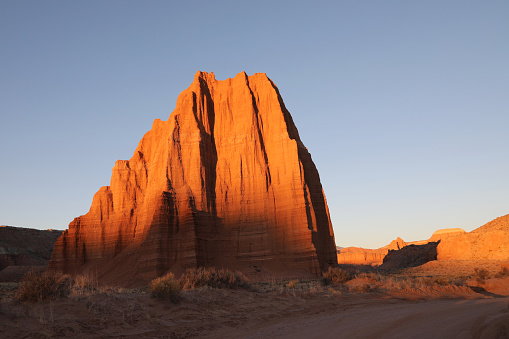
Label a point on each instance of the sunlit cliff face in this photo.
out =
(226, 181)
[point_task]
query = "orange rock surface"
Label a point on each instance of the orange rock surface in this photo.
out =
(366, 256)
(225, 182)
(490, 241)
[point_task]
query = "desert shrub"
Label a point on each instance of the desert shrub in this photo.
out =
(481, 274)
(442, 281)
(292, 283)
(83, 284)
(504, 272)
(393, 283)
(166, 288)
(40, 286)
(362, 288)
(460, 280)
(212, 277)
(369, 276)
(336, 276)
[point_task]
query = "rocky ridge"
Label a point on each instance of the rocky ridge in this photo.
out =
(490, 241)
(23, 249)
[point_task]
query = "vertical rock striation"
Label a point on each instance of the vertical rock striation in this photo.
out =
(225, 182)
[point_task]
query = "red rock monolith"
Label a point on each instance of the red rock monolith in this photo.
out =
(225, 182)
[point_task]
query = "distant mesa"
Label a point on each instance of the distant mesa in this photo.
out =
(23, 250)
(225, 182)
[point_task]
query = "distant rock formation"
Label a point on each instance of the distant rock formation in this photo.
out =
(395, 245)
(24, 249)
(361, 256)
(446, 233)
(490, 241)
(375, 257)
(410, 256)
(365, 256)
(225, 182)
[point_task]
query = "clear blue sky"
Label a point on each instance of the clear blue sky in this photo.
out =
(404, 105)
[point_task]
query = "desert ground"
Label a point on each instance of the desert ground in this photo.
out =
(430, 301)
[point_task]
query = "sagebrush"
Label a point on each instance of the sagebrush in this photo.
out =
(335, 276)
(212, 277)
(40, 286)
(166, 288)
(481, 274)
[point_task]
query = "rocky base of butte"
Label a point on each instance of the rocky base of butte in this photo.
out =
(225, 182)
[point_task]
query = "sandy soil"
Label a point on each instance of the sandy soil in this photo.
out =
(268, 311)
(486, 318)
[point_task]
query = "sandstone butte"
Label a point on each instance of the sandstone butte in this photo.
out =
(224, 182)
(490, 241)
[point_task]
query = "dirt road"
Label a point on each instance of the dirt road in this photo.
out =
(480, 318)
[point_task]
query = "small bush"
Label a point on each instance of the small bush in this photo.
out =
(481, 274)
(362, 288)
(83, 284)
(40, 286)
(212, 277)
(369, 276)
(336, 276)
(166, 288)
(504, 272)
(292, 283)
(442, 281)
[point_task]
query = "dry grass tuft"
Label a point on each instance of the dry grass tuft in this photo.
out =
(84, 284)
(37, 287)
(212, 277)
(335, 276)
(292, 283)
(362, 288)
(166, 288)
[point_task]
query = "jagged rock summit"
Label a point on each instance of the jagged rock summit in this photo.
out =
(225, 182)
